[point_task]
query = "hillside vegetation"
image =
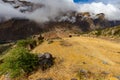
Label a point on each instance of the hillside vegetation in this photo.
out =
(113, 32)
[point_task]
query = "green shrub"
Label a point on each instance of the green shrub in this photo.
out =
(24, 43)
(18, 62)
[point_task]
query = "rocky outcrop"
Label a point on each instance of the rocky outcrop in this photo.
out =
(46, 60)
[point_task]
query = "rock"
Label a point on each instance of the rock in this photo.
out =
(118, 77)
(83, 71)
(84, 62)
(105, 73)
(83, 74)
(31, 45)
(46, 60)
(38, 38)
(44, 79)
(104, 62)
(70, 36)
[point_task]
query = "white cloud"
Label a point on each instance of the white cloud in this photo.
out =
(54, 8)
(7, 11)
(111, 12)
(51, 9)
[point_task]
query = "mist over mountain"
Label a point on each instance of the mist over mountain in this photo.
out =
(23, 18)
(45, 10)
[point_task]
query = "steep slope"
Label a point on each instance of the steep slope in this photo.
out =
(76, 53)
(15, 29)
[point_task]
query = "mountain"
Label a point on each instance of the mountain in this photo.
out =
(15, 28)
(75, 22)
(18, 29)
(23, 5)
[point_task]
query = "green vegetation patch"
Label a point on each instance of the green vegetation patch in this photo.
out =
(25, 43)
(18, 62)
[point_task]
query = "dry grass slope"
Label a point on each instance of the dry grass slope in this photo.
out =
(73, 54)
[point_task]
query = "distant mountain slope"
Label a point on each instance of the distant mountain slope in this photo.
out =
(109, 32)
(18, 29)
(15, 29)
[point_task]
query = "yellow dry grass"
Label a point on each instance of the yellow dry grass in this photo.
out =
(72, 53)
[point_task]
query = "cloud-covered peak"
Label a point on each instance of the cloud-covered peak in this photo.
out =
(52, 8)
(111, 12)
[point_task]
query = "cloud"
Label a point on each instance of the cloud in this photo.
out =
(54, 8)
(7, 11)
(113, 2)
(111, 11)
(51, 9)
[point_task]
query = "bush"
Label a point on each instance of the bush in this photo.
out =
(25, 43)
(18, 62)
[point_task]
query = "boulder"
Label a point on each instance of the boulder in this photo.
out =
(46, 60)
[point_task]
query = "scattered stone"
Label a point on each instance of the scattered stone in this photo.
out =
(118, 77)
(44, 79)
(83, 71)
(105, 73)
(84, 62)
(104, 62)
(46, 60)
(70, 36)
(84, 74)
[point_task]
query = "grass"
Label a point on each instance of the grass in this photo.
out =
(25, 43)
(70, 59)
(72, 53)
(18, 63)
(108, 32)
